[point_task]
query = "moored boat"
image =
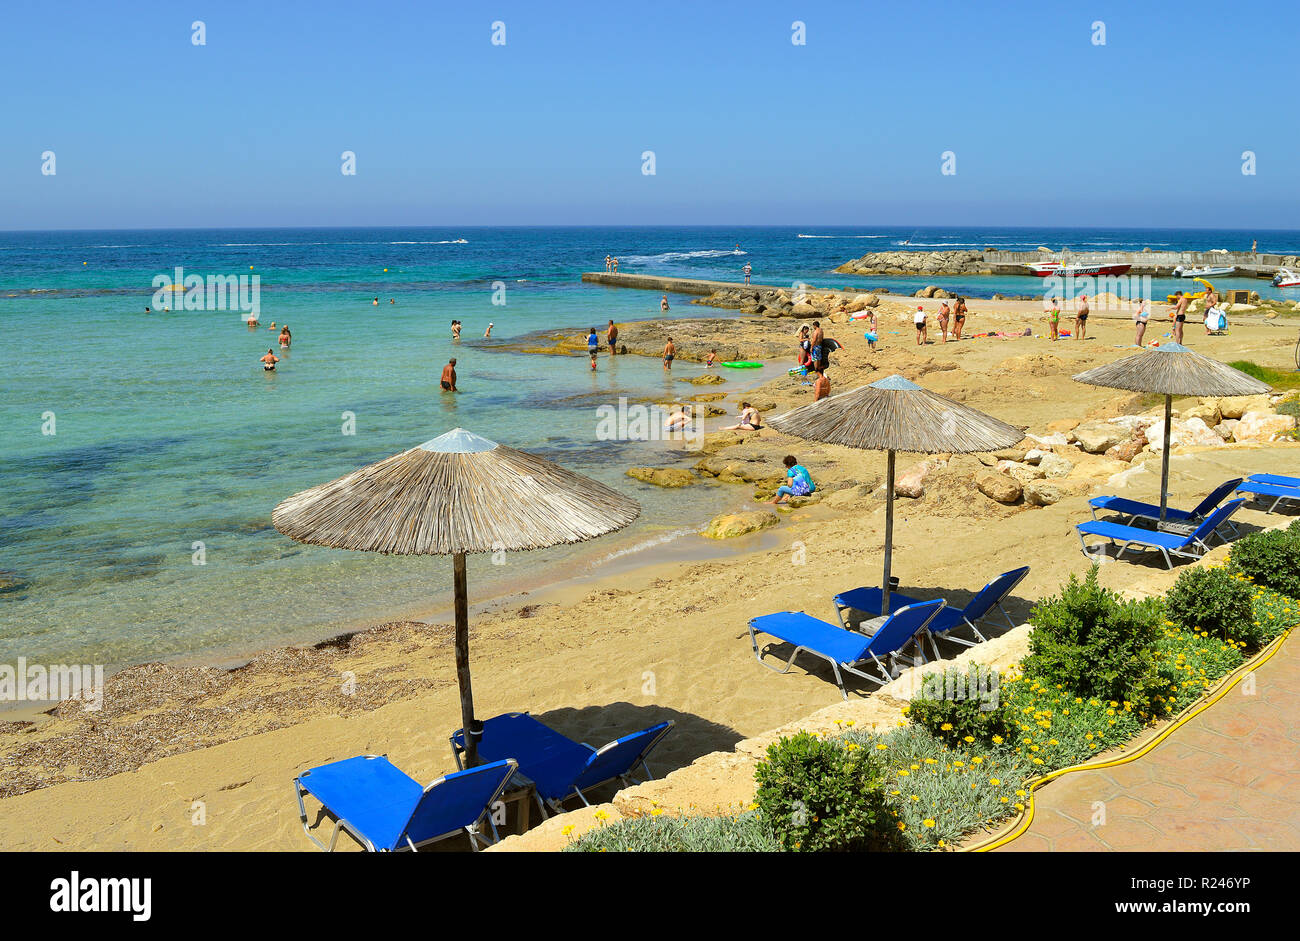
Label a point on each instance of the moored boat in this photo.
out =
(1286, 278)
(1045, 269)
(1204, 271)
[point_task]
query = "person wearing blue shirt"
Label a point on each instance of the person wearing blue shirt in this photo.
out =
(801, 483)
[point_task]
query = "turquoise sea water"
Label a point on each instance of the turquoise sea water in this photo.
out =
(168, 432)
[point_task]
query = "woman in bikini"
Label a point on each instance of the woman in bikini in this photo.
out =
(958, 317)
(749, 420)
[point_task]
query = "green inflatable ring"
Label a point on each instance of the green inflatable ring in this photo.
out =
(743, 364)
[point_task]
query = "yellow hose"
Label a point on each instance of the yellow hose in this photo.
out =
(1195, 709)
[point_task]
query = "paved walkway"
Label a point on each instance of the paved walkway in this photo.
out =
(1227, 780)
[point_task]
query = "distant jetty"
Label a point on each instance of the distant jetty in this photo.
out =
(991, 262)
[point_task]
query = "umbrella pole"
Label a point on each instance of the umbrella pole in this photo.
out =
(471, 731)
(889, 534)
(1164, 464)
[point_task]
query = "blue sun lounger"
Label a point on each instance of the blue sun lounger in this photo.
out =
(1136, 510)
(1192, 545)
(1264, 486)
(560, 767)
(845, 650)
(868, 601)
(1280, 480)
(387, 810)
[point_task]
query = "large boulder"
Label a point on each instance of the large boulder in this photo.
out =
(662, 476)
(1207, 412)
(704, 379)
(1053, 465)
(1237, 406)
(1096, 437)
(999, 487)
(1021, 472)
(911, 483)
(730, 525)
(1262, 426)
(1043, 492)
(803, 311)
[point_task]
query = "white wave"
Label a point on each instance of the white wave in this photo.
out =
(681, 256)
(645, 544)
(802, 236)
(442, 242)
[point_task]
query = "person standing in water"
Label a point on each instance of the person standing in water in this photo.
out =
(1081, 319)
(663, 302)
(455, 329)
(670, 352)
(611, 335)
(593, 347)
(487, 334)
(285, 337)
(375, 302)
(448, 381)
(269, 360)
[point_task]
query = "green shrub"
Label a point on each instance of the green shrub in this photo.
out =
(743, 833)
(1216, 600)
(1091, 643)
(1270, 558)
(959, 722)
(1190, 663)
(1056, 727)
(822, 795)
(942, 794)
(1275, 613)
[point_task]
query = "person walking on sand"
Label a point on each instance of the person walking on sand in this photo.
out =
(805, 348)
(821, 385)
(611, 334)
(448, 381)
(593, 347)
(269, 360)
(670, 353)
(943, 321)
(1054, 319)
(922, 333)
(1140, 318)
(872, 335)
(958, 318)
(1178, 311)
(1081, 318)
(748, 270)
(1211, 302)
(800, 481)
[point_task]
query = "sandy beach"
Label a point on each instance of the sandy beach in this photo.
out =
(199, 758)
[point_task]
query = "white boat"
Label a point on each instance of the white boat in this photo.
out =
(1286, 278)
(1204, 271)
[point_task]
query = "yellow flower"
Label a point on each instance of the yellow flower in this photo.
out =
(567, 830)
(946, 727)
(928, 822)
(994, 781)
(997, 740)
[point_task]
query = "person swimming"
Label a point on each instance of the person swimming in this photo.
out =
(269, 360)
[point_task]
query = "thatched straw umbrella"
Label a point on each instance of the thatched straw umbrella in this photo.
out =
(1169, 370)
(894, 415)
(456, 494)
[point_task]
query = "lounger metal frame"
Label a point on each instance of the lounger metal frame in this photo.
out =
(557, 803)
(1146, 546)
(886, 676)
(476, 836)
(1262, 497)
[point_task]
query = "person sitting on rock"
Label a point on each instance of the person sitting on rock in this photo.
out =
(821, 385)
(749, 419)
(801, 482)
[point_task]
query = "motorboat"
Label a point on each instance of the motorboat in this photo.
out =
(1204, 271)
(1048, 269)
(1286, 278)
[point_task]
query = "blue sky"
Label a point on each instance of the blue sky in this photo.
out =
(747, 128)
